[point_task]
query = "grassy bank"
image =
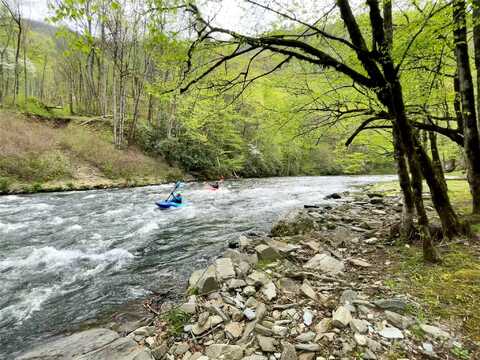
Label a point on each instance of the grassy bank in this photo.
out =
(451, 290)
(42, 155)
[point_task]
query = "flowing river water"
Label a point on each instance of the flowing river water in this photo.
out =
(67, 257)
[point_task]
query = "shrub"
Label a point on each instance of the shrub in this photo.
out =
(4, 184)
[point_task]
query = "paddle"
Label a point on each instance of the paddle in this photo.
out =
(177, 185)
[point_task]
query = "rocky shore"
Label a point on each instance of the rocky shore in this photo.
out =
(311, 289)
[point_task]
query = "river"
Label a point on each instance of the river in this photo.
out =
(67, 257)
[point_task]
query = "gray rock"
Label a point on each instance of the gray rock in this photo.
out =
(236, 284)
(160, 351)
(341, 317)
(360, 263)
(249, 313)
(294, 224)
(267, 253)
(258, 278)
(234, 329)
(369, 355)
(400, 321)
(145, 331)
(249, 290)
(267, 344)
(391, 332)
(393, 304)
(226, 352)
(308, 347)
(269, 290)
(435, 331)
(75, 345)
(279, 330)
(325, 263)
(308, 291)
(288, 285)
(361, 340)
(224, 268)
(427, 347)
(307, 317)
(348, 297)
(323, 326)
(204, 281)
(289, 352)
(359, 326)
(306, 337)
(120, 349)
(198, 329)
(373, 345)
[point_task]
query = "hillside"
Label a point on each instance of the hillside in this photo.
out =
(42, 155)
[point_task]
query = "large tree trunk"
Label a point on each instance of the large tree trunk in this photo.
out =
(16, 86)
(476, 45)
(470, 127)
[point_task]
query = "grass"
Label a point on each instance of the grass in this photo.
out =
(176, 320)
(450, 290)
(36, 156)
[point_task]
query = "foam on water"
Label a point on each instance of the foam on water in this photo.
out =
(49, 257)
(7, 228)
(75, 227)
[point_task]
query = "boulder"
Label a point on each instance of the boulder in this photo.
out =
(400, 321)
(258, 278)
(84, 343)
(204, 281)
(267, 253)
(224, 268)
(325, 263)
(294, 224)
(393, 304)
(359, 326)
(391, 332)
(234, 329)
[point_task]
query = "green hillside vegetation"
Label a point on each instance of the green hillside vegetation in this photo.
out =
(41, 155)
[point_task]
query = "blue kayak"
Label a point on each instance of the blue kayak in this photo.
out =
(168, 204)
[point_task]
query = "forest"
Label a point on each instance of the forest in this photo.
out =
(318, 89)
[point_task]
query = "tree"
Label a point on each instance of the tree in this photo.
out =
(379, 75)
(16, 14)
(468, 111)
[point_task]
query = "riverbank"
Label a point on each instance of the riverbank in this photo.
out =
(38, 154)
(329, 282)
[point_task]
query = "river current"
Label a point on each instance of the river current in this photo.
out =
(67, 257)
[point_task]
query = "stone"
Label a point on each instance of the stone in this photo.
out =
(373, 345)
(361, 340)
(269, 290)
(234, 329)
(323, 326)
(435, 332)
(255, 357)
(341, 317)
(306, 356)
(145, 331)
(427, 347)
(308, 347)
(267, 344)
(263, 330)
(224, 268)
(393, 304)
(360, 263)
(288, 285)
(306, 337)
(212, 321)
(368, 355)
(204, 281)
(348, 297)
(325, 263)
(333, 196)
(258, 278)
(307, 317)
(308, 291)
(249, 314)
(279, 330)
(288, 352)
(359, 326)
(236, 284)
(159, 352)
(294, 223)
(121, 349)
(283, 247)
(391, 332)
(181, 348)
(244, 241)
(400, 321)
(226, 352)
(267, 253)
(74, 345)
(188, 308)
(249, 291)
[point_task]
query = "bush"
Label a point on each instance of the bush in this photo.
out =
(4, 184)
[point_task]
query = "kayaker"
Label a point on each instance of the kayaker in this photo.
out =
(216, 184)
(177, 198)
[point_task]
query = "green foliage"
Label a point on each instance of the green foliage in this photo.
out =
(4, 184)
(34, 167)
(176, 319)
